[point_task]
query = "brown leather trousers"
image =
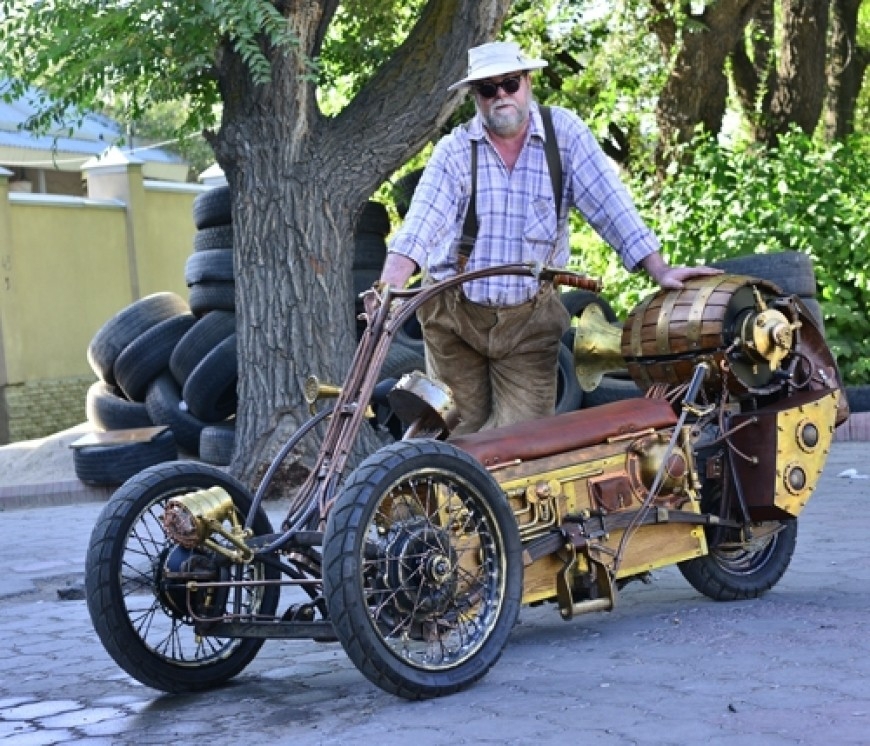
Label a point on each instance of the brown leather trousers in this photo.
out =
(499, 361)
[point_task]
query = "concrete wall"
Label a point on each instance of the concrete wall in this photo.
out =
(68, 265)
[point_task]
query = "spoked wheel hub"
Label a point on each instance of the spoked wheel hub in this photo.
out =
(420, 569)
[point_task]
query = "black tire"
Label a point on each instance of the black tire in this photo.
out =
(815, 310)
(213, 207)
(792, 271)
(373, 219)
(165, 407)
(107, 408)
(858, 398)
(209, 266)
(369, 252)
(115, 464)
(400, 360)
(133, 614)
(216, 237)
(400, 565)
(217, 442)
(210, 389)
(212, 296)
(735, 573)
(126, 325)
(569, 395)
(576, 301)
(201, 338)
(613, 387)
(147, 356)
(403, 191)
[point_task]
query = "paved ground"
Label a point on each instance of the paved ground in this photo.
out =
(666, 667)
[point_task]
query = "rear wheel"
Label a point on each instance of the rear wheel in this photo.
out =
(742, 565)
(423, 569)
(142, 616)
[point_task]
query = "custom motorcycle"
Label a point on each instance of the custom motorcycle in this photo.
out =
(418, 557)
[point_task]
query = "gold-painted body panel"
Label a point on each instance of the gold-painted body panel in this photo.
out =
(543, 493)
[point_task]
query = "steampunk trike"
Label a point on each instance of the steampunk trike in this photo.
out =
(419, 559)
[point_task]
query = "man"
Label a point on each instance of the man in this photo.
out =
(495, 341)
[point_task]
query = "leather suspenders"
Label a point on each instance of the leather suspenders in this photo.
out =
(554, 165)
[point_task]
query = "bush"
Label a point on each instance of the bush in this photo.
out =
(733, 201)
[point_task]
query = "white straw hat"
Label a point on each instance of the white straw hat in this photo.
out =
(494, 59)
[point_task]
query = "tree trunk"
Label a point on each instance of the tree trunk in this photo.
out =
(800, 87)
(754, 74)
(846, 67)
(298, 181)
(697, 88)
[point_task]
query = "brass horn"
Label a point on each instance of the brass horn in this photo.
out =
(597, 347)
(315, 389)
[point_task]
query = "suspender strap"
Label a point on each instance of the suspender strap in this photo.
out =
(470, 226)
(554, 166)
(554, 160)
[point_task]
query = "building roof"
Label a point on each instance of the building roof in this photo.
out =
(67, 148)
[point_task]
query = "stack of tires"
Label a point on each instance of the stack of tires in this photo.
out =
(165, 361)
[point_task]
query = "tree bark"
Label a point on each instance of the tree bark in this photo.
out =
(299, 181)
(846, 67)
(696, 90)
(800, 87)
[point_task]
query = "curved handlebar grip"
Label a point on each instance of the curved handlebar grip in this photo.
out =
(578, 281)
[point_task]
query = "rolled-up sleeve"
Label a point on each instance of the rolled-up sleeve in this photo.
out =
(601, 197)
(430, 226)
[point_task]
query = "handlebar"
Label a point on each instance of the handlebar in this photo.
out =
(578, 281)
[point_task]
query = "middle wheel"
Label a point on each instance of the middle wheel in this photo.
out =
(422, 569)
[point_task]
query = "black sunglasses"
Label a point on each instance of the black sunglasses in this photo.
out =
(488, 89)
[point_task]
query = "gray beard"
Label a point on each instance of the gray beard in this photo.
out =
(505, 123)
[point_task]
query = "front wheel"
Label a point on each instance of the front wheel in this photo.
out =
(741, 569)
(143, 617)
(422, 569)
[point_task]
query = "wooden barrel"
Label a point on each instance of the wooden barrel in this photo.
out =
(669, 332)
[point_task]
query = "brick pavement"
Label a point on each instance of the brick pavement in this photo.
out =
(666, 667)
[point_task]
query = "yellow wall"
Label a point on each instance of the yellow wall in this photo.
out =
(68, 265)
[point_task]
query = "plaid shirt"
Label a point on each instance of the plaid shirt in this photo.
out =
(516, 211)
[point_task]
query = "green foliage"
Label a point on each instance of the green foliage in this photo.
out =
(803, 197)
(131, 55)
(360, 39)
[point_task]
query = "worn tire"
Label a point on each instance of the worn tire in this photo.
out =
(380, 598)
(127, 603)
(213, 207)
(576, 301)
(569, 395)
(126, 325)
(215, 265)
(148, 355)
(373, 220)
(403, 191)
(215, 237)
(734, 574)
(613, 387)
(115, 464)
(200, 339)
(106, 408)
(217, 442)
(210, 389)
(401, 360)
(165, 407)
(792, 271)
(212, 296)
